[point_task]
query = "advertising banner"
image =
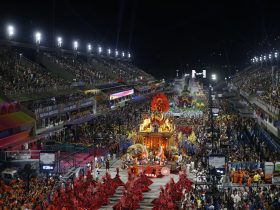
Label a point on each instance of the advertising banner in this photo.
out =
(268, 170)
(277, 166)
(47, 161)
(276, 180)
(217, 161)
(121, 94)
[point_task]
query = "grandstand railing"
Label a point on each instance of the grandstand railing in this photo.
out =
(267, 138)
(252, 165)
(60, 108)
(22, 155)
(266, 107)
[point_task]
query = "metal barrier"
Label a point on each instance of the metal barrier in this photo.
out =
(22, 155)
(251, 165)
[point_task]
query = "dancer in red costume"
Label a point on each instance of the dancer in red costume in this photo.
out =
(133, 192)
(172, 192)
(117, 179)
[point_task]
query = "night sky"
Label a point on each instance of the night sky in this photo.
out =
(161, 35)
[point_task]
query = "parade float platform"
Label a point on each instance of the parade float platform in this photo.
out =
(155, 147)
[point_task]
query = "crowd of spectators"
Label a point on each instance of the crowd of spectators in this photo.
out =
(16, 195)
(20, 76)
(261, 82)
(107, 130)
(245, 198)
(98, 71)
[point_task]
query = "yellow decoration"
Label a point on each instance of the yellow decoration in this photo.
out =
(192, 137)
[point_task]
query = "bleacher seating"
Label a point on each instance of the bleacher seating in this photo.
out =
(18, 75)
(260, 82)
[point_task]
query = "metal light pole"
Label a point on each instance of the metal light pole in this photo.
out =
(211, 116)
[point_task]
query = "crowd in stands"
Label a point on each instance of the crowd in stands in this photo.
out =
(106, 130)
(245, 198)
(16, 195)
(18, 75)
(262, 82)
(80, 69)
(53, 101)
(97, 71)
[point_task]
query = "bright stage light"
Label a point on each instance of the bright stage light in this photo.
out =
(99, 49)
(75, 45)
(59, 41)
(10, 31)
(89, 48)
(38, 37)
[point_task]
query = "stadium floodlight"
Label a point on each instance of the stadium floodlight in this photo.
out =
(116, 53)
(10, 31)
(261, 59)
(89, 48)
(59, 41)
(109, 51)
(99, 50)
(256, 59)
(275, 54)
(75, 45)
(253, 60)
(38, 37)
(128, 55)
(269, 56)
(214, 77)
(123, 54)
(264, 58)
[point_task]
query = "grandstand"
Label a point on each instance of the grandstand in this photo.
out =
(259, 85)
(44, 90)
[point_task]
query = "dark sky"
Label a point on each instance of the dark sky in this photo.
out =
(162, 35)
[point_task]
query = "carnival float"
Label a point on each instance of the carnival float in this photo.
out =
(155, 146)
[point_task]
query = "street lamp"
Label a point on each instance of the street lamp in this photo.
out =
(10, 31)
(270, 58)
(276, 58)
(38, 38)
(59, 41)
(99, 50)
(89, 48)
(264, 58)
(75, 45)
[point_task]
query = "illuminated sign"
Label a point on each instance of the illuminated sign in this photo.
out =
(47, 167)
(194, 73)
(47, 161)
(121, 94)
